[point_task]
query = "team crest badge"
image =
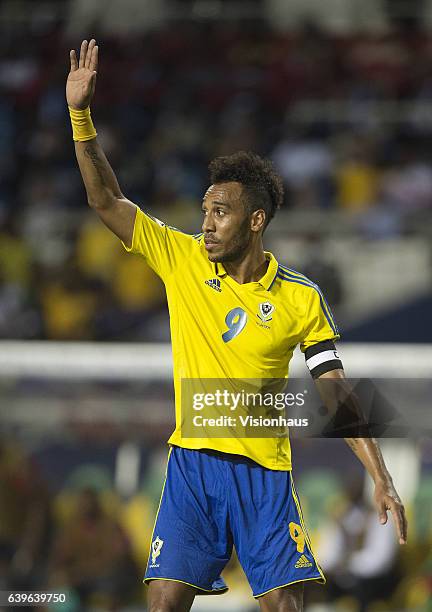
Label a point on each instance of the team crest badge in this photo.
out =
(156, 550)
(266, 309)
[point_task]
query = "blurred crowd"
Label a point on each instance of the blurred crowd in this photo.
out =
(79, 536)
(346, 120)
(71, 544)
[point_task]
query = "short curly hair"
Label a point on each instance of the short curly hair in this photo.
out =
(261, 183)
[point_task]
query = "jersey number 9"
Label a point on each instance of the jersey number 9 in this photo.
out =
(235, 320)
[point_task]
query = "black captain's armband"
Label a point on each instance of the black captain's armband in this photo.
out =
(322, 357)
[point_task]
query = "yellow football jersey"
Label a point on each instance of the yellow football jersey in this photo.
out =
(225, 330)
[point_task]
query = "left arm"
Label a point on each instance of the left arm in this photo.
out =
(368, 452)
(324, 363)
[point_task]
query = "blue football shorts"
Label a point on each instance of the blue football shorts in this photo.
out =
(213, 501)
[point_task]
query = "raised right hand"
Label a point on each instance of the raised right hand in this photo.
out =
(81, 80)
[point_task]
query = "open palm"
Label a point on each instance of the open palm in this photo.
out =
(81, 80)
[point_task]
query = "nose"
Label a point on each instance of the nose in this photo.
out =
(208, 223)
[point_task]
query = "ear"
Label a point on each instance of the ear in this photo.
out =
(258, 219)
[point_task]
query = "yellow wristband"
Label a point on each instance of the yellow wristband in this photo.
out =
(82, 124)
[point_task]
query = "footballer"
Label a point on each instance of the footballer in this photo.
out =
(235, 312)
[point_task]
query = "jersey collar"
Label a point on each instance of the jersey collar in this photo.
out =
(266, 281)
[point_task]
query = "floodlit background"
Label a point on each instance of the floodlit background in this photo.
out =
(339, 94)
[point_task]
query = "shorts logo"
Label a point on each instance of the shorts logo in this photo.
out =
(303, 562)
(156, 551)
(214, 283)
(266, 310)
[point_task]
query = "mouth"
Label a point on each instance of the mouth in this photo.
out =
(210, 244)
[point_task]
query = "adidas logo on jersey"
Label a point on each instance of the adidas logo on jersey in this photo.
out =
(303, 561)
(214, 283)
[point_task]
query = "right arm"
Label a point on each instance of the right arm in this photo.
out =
(103, 191)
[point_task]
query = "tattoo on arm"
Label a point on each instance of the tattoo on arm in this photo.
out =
(97, 163)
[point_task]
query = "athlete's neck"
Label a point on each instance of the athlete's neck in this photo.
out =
(250, 268)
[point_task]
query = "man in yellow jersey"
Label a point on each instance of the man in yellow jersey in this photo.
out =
(235, 313)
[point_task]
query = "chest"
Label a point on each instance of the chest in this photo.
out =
(232, 318)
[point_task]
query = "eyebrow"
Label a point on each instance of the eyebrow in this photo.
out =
(217, 203)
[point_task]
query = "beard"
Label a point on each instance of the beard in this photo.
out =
(237, 247)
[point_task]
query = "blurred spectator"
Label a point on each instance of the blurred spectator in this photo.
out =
(18, 316)
(15, 255)
(407, 186)
(357, 177)
(96, 249)
(25, 520)
(18, 309)
(306, 165)
(92, 556)
(358, 554)
(69, 304)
